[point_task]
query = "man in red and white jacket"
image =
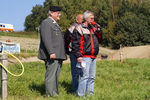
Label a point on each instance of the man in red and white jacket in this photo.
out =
(85, 46)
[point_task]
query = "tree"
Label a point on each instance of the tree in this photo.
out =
(131, 30)
(29, 23)
(125, 22)
(32, 21)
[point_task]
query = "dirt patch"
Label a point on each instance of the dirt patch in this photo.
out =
(127, 52)
(133, 52)
(25, 43)
(35, 59)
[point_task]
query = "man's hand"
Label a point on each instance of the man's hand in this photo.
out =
(79, 59)
(52, 56)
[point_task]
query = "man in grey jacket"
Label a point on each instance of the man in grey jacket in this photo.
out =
(52, 49)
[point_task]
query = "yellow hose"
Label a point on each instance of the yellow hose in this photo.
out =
(17, 60)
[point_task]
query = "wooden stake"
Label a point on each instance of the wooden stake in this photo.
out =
(4, 61)
(121, 53)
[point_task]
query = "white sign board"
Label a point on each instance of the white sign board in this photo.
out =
(10, 47)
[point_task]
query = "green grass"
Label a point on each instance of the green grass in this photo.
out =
(128, 80)
(25, 54)
(21, 34)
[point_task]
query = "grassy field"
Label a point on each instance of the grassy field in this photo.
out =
(21, 34)
(26, 54)
(128, 80)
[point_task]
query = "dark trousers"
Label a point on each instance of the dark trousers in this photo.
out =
(51, 76)
(75, 73)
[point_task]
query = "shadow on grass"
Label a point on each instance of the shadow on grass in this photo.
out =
(38, 87)
(41, 88)
(67, 86)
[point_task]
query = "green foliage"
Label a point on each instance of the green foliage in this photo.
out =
(107, 35)
(69, 11)
(33, 20)
(132, 27)
(127, 80)
(108, 13)
(26, 54)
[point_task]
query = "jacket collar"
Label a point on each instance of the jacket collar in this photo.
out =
(83, 26)
(52, 19)
(55, 23)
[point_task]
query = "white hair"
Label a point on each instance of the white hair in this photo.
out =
(49, 11)
(87, 13)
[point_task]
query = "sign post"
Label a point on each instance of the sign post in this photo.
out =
(11, 48)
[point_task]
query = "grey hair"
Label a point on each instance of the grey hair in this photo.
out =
(87, 13)
(49, 11)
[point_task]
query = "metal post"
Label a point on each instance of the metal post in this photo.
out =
(4, 61)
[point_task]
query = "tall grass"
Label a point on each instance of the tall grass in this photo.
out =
(128, 80)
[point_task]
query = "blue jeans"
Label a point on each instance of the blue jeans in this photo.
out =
(87, 78)
(75, 73)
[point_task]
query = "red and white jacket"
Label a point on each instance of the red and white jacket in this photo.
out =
(85, 41)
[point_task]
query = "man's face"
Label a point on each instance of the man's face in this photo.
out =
(55, 15)
(90, 19)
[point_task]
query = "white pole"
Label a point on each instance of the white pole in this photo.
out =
(121, 53)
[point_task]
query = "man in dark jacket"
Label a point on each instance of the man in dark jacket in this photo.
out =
(85, 46)
(52, 49)
(75, 72)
